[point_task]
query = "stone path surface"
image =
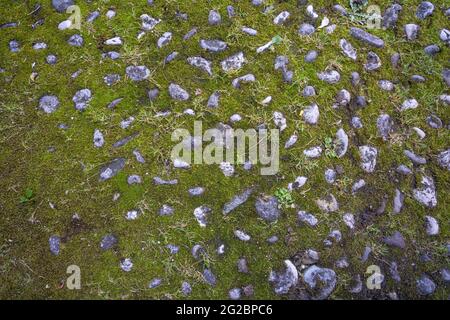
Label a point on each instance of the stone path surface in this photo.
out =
(90, 97)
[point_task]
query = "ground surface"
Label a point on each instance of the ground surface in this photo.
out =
(49, 173)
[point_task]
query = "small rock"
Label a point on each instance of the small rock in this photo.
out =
(48, 104)
(178, 93)
(137, 73)
(432, 226)
(267, 208)
(425, 286)
(321, 281)
(396, 240)
(54, 243)
(283, 281)
(368, 158)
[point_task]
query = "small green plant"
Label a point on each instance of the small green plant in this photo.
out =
(329, 148)
(357, 14)
(27, 196)
(277, 39)
(284, 197)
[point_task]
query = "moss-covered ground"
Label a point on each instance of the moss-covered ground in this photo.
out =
(67, 177)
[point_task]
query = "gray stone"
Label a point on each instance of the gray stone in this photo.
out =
(92, 16)
(40, 46)
(411, 31)
(285, 280)
(418, 160)
(190, 34)
(328, 203)
(14, 46)
(201, 63)
(214, 18)
(134, 179)
(390, 16)
(356, 122)
(431, 226)
(178, 93)
(213, 100)
(236, 83)
(213, 45)
(233, 63)
(425, 286)
(62, 5)
(99, 140)
(241, 235)
(196, 191)
(347, 49)
(156, 282)
(432, 49)
(309, 91)
(424, 10)
(358, 185)
(111, 79)
(329, 76)
(384, 126)
(426, 194)
(126, 264)
(311, 56)
(321, 282)
(81, 99)
(443, 159)
(48, 104)
(164, 39)
(112, 168)
(434, 121)
(242, 265)
(108, 242)
(201, 214)
(51, 59)
(341, 143)
(76, 40)
(237, 201)
(306, 29)
(148, 22)
(402, 169)
(396, 240)
(366, 37)
(386, 85)
(313, 152)
(446, 76)
(373, 62)
(172, 56)
(368, 156)
(366, 254)
(267, 208)
(393, 270)
(330, 175)
(398, 201)
(54, 244)
(281, 17)
(235, 293)
(137, 73)
(209, 277)
(307, 218)
(186, 288)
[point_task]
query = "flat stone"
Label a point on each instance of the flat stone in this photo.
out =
(366, 37)
(49, 103)
(267, 208)
(112, 168)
